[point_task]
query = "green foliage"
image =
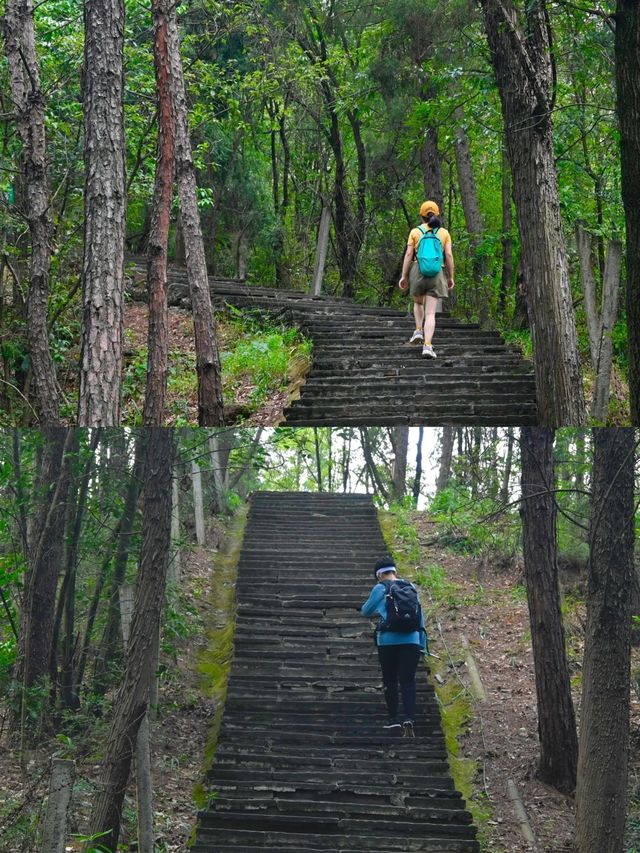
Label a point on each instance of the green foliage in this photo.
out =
(463, 523)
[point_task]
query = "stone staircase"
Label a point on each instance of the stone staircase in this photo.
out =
(365, 373)
(302, 762)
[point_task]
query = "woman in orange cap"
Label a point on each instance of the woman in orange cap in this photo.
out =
(427, 290)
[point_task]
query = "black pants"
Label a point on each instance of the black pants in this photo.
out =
(398, 665)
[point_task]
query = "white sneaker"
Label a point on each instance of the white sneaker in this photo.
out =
(417, 337)
(428, 351)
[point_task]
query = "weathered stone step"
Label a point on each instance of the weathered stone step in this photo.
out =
(326, 824)
(446, 800)
(221, 839)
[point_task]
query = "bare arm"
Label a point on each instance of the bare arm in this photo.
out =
(406, 266)
(448, 265)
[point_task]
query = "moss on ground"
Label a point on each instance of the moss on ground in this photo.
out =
(215, 661)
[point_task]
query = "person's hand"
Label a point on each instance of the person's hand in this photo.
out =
(451, 284)
(403, 284)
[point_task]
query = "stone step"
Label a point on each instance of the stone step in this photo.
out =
(302, 760)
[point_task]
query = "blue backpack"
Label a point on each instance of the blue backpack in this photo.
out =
(430, 254)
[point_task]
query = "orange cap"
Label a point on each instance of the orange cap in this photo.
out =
(429, 207)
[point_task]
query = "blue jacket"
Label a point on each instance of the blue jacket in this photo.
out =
(376, 603)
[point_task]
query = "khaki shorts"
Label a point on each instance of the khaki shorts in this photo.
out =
(421, 286)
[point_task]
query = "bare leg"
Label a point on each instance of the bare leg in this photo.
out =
(431, 303)
(418, 311)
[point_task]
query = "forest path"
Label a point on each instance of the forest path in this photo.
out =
(302, 762)
(364, 372)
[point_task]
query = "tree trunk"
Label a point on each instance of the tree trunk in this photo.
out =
(132, 699)
(600, 323)
(601, 794)
(105, 203)
(525, 76)
(321, 250)
(158, 339)
(316, 443)
(109, 642)
(627, 51)
(198, 504)
(69, 685)
(506, 476)
(400, 442)
(418, 478)
(556, 717)
(175, 568)
(210, 405)
(448, 435)
(29, 103)
(54, 831)
(507, 240)
(144, 782)
(45, 563)
(472, 217)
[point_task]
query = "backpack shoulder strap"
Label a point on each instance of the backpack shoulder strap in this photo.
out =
(423, 229)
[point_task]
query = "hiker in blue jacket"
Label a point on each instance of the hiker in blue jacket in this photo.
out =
(399, 652)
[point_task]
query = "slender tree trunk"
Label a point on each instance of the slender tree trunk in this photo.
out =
(109, 642)
(133, 696)
(525, 75)
(29, 103)
(322, 247)
(601, 795)
(316, 443)
(69, 685)
(444, 473)
(210, 405)
(144, 782)
(198, 504)
(507, 240)
(54, 831)
(472, 216)
(600, 323)
(45, 563)
(158, 340)
(105, 215)
(627, 51)
(556, 717)
(418, 478)
(400, 442)
(506, 476)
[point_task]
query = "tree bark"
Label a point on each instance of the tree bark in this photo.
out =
(448, 436)
(506, 476)
(198, 504)
(45, 563)
(525, 75)
(210, 404)
(556, 717)
(627, 52)
(133, 696)
(29, 103)
(418, 478)
(105, 215)
(54, 831)
(600, 323)
(322, 247)
(507, 240)
(601, 794)
(158, 339)
(472, 216)
(400, 442)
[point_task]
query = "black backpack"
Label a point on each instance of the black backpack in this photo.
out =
(403, 607)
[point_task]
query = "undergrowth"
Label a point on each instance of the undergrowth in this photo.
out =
(401, 537)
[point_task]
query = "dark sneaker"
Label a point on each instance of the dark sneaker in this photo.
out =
(392, 724)
(407, 729)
